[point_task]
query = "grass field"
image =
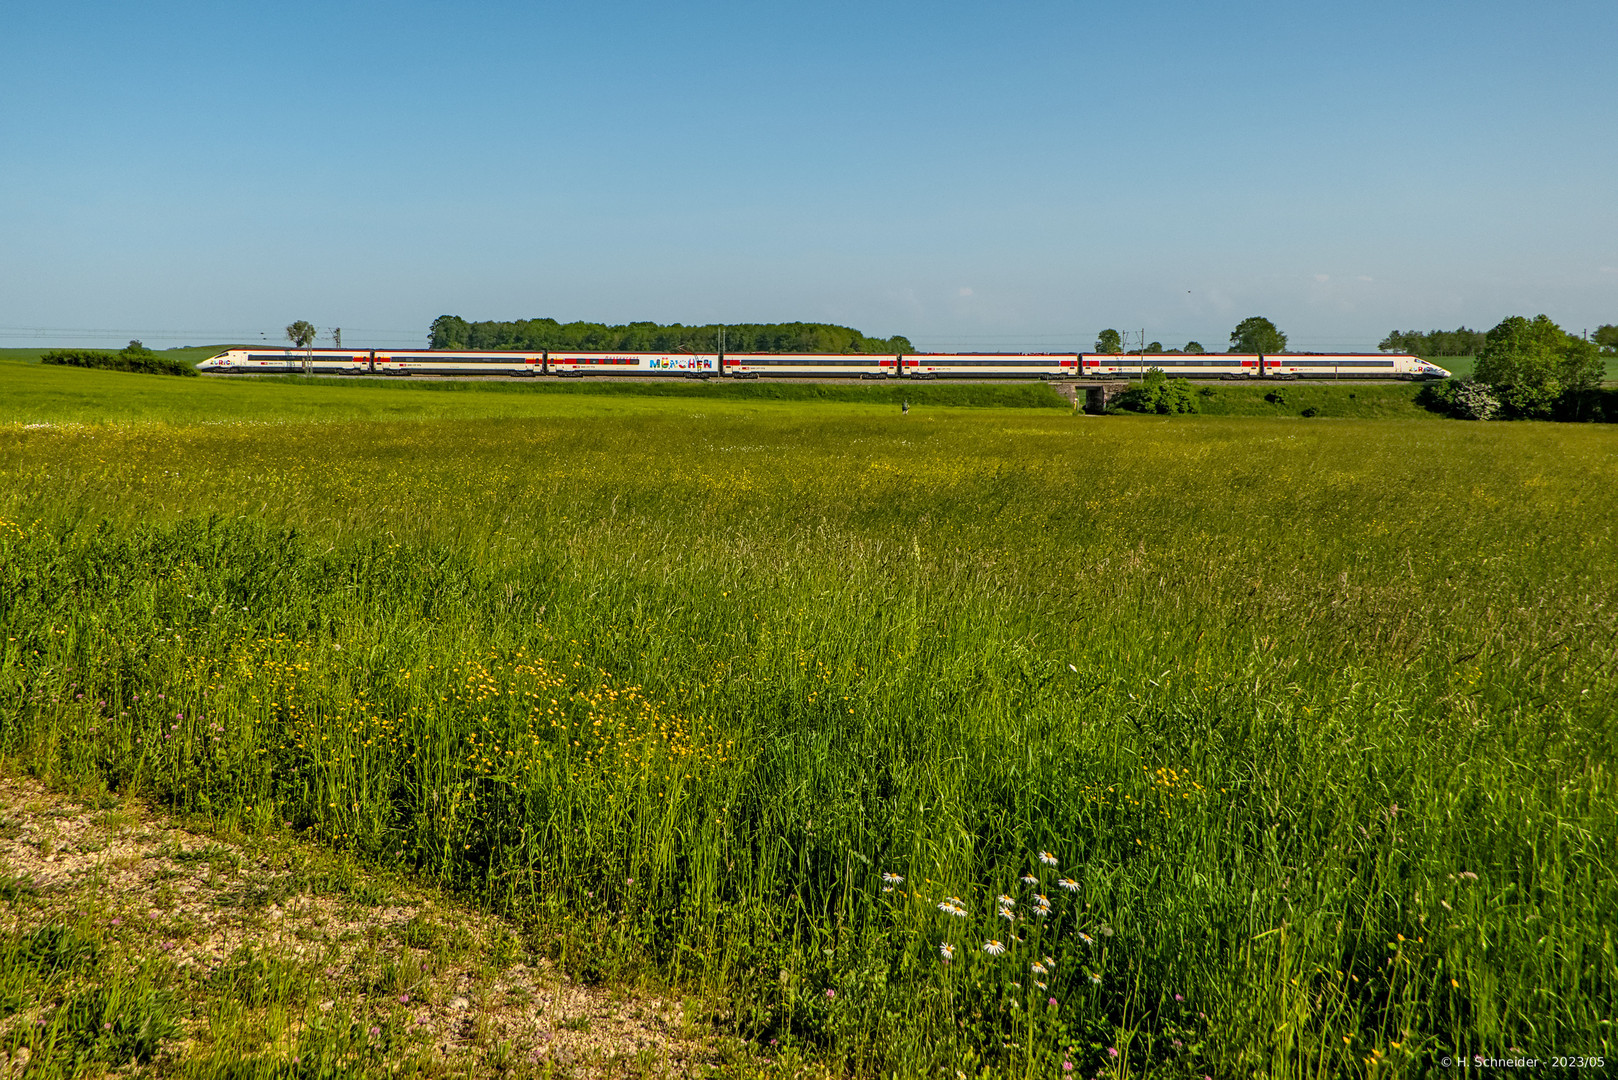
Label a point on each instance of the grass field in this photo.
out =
(775, 701)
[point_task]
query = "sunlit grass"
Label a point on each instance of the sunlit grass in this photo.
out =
(1315, 717)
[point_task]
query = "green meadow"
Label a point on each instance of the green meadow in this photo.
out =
(991, 740)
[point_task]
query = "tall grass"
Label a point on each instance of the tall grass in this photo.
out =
(1315, 718)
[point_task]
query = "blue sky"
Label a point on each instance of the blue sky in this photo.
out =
(1015, 175)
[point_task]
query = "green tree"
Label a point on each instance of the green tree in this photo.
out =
(1110, 342)
(1533, 366)
(302, 334)
(1256, 334)
(1194, 347)
(449, 332)
(1157, 393)
(1607, 337)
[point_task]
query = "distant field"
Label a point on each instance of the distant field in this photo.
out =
(35, 393)
(1303, 713)
(1458, 366)
(32, 392)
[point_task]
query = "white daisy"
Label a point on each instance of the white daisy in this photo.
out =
(892, 879)
(1094, 977)
(947, 950)
(1069, 884)
(1047, 858)
(993, 948)
(1030, 879)
(1086, 938)
(1006, 901)
(1039, 969)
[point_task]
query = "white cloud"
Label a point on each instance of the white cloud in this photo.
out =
(965, 291)
(1322, 278)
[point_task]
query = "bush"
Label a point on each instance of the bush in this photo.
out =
(1464, 399)
(1474, 401)
(133, 357)
(1157, 393)
(1599, 404)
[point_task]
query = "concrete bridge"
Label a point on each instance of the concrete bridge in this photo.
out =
(1096, 395)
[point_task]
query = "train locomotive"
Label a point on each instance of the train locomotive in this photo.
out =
(266, 361)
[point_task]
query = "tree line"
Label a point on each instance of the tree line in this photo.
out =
(1464, 342)
(1457, 342)
(533, 335)
(1256, 334)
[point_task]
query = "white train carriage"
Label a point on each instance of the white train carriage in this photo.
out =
(1350, 366)
(265, 361)
(691, 365)
(1262, 366)
(456, 362)
(371, 362)
(990, 365)
(810, 365)
(1178, 365)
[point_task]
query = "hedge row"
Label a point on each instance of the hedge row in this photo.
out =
(143, 361)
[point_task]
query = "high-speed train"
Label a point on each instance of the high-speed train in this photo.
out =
(266, 361)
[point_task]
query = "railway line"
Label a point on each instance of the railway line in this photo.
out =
(820, 366)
